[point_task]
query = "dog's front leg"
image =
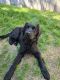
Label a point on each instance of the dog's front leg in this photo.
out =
(16, 61)
(41, 62)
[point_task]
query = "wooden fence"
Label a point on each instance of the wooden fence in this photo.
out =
(53, 5)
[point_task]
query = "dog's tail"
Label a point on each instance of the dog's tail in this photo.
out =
(4, 36)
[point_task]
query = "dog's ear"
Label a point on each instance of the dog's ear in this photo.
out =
(37, 29)
(38, 32)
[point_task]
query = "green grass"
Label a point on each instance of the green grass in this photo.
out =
(11, 17)
(22, 71)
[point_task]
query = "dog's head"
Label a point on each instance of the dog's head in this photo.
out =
(31, 32)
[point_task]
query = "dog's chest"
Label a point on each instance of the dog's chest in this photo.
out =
(24, 43)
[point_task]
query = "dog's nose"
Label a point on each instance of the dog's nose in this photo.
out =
(27, 34)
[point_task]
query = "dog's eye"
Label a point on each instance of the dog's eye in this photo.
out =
(33, 27)
(28, 26)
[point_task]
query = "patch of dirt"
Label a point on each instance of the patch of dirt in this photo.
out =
(51, 56)
(14, 77)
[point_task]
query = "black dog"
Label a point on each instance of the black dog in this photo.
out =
(27, 37)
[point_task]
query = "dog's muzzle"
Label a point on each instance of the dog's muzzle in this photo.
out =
(29, 33)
